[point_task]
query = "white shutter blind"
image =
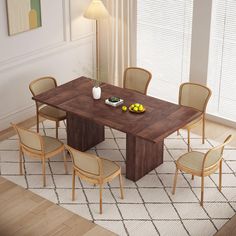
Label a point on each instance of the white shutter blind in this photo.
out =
(163, 44)
(222, 59)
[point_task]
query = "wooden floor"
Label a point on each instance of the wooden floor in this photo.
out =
(229, 229)
(25, 213)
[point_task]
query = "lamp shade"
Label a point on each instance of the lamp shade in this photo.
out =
(96, 10)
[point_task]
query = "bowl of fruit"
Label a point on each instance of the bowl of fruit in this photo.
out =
(137, 108)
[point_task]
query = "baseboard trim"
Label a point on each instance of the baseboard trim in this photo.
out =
(17, 116)
(28, 123)
(221, 120)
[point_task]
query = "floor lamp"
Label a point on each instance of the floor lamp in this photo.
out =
(96, 11)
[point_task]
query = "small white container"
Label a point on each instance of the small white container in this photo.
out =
(96, 93)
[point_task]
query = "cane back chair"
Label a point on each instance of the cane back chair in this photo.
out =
(195, 96)
(40, 147)
(137, 79)
(202, 164)
(51, 113)
(95, 170)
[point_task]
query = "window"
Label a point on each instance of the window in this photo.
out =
(222, 59)
(163, 44)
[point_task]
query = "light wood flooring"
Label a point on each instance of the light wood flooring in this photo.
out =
(229, 229)
(25, 213)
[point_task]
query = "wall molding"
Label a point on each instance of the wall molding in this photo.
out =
(57, 48)
(23, 113)
(46, 51)
(65, 44)
(54, 43)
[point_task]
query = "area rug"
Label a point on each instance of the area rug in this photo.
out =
(149, 208)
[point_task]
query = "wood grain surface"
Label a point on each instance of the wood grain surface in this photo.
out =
(86, 134)
(160, 119)
(87, 117)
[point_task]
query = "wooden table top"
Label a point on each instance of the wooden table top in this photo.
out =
(160, 119)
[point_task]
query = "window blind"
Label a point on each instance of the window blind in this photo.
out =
(163, 44)
(222, 59)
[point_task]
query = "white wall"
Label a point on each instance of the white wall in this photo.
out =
(63, 48)
(201, 29)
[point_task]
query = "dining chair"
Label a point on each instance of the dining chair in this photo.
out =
(202, 164)
(39, 86)
(137, 79)
(95, 170)
(37, 146)
(195, 96)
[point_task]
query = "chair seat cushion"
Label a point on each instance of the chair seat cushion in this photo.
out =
(52, 112)
(109, 167)
(51, 144)
(191, 160)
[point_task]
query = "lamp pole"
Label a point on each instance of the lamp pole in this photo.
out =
(96, 11)
(97, 52)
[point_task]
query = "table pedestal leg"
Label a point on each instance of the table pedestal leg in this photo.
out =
(142, 156)
(83, 134)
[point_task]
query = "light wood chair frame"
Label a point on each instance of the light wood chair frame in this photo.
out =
(39, 105)
(202, 118)
(99, 180)
(204, 171)
(141, 69)
(39, 154)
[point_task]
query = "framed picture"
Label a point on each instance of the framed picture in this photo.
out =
(23, 15)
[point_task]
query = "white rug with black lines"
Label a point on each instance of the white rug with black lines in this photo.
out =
(149, 208)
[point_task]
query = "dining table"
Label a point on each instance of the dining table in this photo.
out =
(145, 132)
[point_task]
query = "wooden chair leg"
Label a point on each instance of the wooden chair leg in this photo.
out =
(21, 161)
(65, 162)
(220, 176)
(37, 117)
(192, 177)
(57, 125)
(121, 186)
(44, 172)
(100, 200)
(188, 140)
(203, 129)
(175, 181)
(202, 190)
(73, 185)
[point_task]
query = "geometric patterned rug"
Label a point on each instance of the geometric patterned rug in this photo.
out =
(149, 208)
